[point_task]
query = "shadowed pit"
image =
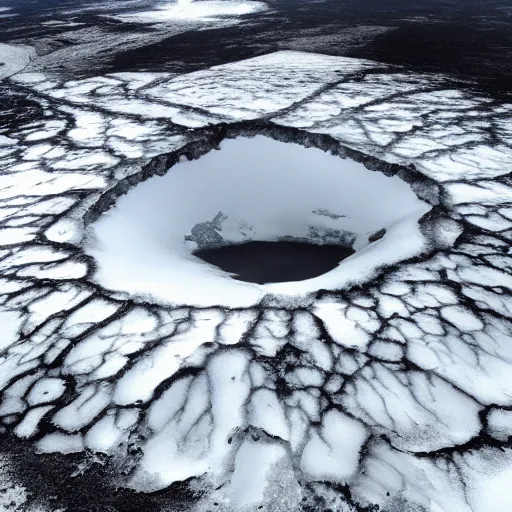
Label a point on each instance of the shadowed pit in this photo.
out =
(275, 262)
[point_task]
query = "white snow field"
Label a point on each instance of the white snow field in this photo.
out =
(189, 10)
(398, 388)
(257, 189)
(14, 58)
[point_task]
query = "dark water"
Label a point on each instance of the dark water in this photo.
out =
(275, 262)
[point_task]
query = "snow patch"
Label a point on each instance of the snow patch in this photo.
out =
(190, 10)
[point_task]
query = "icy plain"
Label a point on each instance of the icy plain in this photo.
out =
(187, 10)
(395, 392)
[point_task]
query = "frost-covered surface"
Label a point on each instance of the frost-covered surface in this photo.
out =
(14, 496)
(189, 10)
(14, 58)
(397, 392)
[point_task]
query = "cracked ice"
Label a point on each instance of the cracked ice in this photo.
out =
(394, 392)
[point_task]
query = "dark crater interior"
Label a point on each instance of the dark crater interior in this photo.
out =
(275, 262)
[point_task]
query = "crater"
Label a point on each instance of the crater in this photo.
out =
(258, 217)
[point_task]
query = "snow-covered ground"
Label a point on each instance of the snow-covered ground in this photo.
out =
(398, 389)
(14, 58)
(194, 9)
